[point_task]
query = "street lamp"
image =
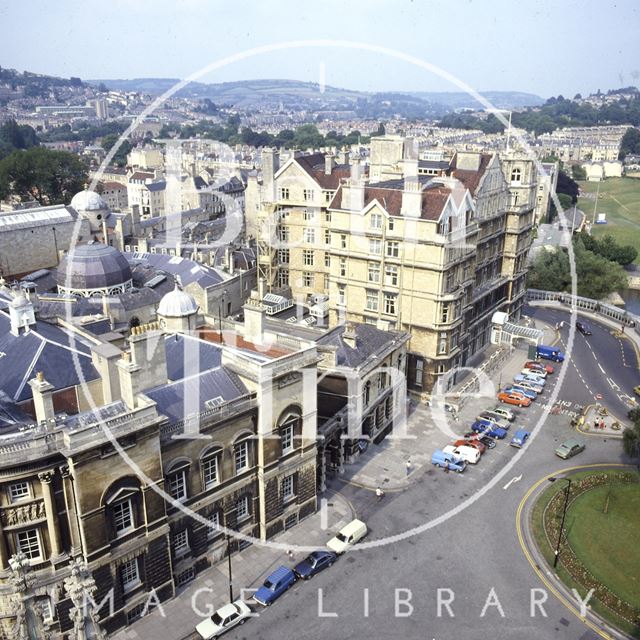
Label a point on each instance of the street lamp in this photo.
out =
(567, 490)
(228, 541)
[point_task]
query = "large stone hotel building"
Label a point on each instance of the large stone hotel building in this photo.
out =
(429, 247)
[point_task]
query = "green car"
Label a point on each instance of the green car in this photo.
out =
(569, 449)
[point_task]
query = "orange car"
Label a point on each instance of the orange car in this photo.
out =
(471, 443)
(514, 398)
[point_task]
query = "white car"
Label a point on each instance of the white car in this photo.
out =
(530, 386)
(503, 413)
(347, 536)
(469, 454)
(223, 619)
(534, 373)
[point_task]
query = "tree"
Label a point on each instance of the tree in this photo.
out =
(566, 185)
(45, 175)
(631, 435)
(630, 143)
(550, 271)
(597, 277)
(120, 157)
(579, 172)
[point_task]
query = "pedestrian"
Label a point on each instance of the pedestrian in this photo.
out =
(622, 329)
(446, 467)
(602, 424)
(290, 554)
(408, 467)
(557, 325)
(379, 493)
(561, 324)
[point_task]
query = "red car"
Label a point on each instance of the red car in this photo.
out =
(471, 443)
(515, 398)
(538, 366)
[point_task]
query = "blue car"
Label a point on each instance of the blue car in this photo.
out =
(522, 377)
(527, 393)
(489, 422)
(274, 586)
(519, 438)
(492, 431)
(315, 562)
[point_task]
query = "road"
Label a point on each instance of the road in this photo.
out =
(474, 555)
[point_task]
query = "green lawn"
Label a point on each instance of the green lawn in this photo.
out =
(620, 200)
(607, 543)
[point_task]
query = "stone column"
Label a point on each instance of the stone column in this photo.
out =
(4, 556)
(46, 478)
(72, 513)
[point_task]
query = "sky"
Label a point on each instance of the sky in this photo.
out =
(546, 47)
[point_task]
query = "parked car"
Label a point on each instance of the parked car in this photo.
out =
(570, 448)
(447, 461)
(533, 379)
(223, 619)
(538, 375)
(488, 422)
(514, 398)
(534, 365)
(583, 328)
(469, 454)
(549, 353)
(503, 412)
(472, 436)
(347, 536)
(491, 431)
(464, 442)
(528, 385)
(518, 388)
(315, 562)
(519, 438)
(499, 422)
(274, 586)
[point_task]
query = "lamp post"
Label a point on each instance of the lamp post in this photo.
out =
(228, 541)
(567, 490)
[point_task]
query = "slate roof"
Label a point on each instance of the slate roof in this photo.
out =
(369, 341)
(45, 348)
(207, 355)
(219, 382)
(188, 270)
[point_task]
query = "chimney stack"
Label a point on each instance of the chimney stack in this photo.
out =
(349, 335)
(329, 163)
(42, 397)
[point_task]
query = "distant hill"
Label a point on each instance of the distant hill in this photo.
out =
(304, 95)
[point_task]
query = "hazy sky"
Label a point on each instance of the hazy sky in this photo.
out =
(545, 47)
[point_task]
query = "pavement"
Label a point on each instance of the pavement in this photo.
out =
(415, 495)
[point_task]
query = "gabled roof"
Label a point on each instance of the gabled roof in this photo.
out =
(314, 166)
(471, 179)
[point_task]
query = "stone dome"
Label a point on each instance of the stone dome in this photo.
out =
(94, 267)
(88, 201)
(177, 304)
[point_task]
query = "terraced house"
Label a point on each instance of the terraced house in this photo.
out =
(432, 253)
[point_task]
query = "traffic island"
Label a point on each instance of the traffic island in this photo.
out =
(599, 515)
(597, 420)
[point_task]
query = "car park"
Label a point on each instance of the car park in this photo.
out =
(488, 422)
(464, 442)
(583, 328)
(315, 562)
(531, 377)
(274, 586)
(519, 438)
(469, 454)
(518, 388)
(347, 536)
(549, 353)
(570, 448)
(447, 461)
(502, 412)
(472, 436)
(534, 365)
(529, 386)
(491, 431)
(514, 398)
(223, 619)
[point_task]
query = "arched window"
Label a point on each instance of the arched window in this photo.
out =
(175, 482)
(241, 455)
(211, 467)
(288, 428)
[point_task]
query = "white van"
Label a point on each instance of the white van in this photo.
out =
(347, 536)
(469, 454)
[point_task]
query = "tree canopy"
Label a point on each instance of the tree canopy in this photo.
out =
(14, 136)
(41, 174)
(607, 247)
(120, 157)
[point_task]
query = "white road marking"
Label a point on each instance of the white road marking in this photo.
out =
(601, 369)
(514, 479)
